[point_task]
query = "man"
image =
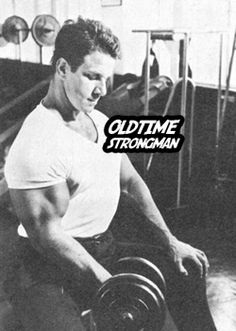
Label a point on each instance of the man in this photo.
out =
(65, 192)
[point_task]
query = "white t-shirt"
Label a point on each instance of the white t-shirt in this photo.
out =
(47, 152)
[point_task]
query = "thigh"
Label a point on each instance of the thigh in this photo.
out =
(177, 284)
(45, 307)
(152, 253)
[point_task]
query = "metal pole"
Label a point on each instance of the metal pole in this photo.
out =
(147, 75)
(228, 83)
(20, 40)
(40, 54)
(146, 89)
(14, 13)
(183, 112)
(19, 45)
(218, 118)
(191, 127)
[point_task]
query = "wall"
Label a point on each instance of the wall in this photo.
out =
(122, 19)
(206, 16)
(194, 15)
(29, 9)
(133, 14)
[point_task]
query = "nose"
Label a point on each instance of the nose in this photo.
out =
(101, 88)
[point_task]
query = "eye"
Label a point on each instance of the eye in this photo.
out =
(92, 76)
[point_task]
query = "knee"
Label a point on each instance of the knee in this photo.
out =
(183, 284)
(196, 277)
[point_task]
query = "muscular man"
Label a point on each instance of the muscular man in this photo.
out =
(65, 192)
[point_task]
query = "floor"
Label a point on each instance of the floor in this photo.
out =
(222, 283)
(218, 241)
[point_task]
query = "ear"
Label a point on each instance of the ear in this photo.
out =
(62, 67)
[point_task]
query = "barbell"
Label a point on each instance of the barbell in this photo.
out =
(44, 30)
(142, 267)
(132, 299)
(15, 30)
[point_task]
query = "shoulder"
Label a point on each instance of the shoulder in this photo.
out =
(40, 134)
(39, 154)
(43, 119)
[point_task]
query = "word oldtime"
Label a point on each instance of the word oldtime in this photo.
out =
(144, 134)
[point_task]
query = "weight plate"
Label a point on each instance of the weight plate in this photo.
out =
(3, 41)
(120, 311)
(15, 29)
(45, 29)
(141, 266)
(129, 302)
(128, 278)
(128, 313)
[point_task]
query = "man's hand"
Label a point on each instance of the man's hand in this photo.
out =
(181, 252)
(133, 184)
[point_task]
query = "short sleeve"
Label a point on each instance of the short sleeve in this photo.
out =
(35, 169)
(39, 157)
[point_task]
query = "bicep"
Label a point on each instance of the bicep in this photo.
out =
(127, 173)
(37, 207)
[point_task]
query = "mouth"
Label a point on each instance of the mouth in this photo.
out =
(93, 101)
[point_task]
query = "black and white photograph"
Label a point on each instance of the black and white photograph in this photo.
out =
(117, 165)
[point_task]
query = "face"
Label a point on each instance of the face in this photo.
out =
(87, 84)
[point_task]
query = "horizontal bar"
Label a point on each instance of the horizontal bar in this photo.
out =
(162, 31)
(173, 31)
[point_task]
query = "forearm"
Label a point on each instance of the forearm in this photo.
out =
(51, 241)
(139, 192)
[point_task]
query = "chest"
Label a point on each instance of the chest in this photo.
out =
(93, 170)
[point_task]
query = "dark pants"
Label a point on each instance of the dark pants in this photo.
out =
(45, 300)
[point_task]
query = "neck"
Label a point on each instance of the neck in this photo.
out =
(56, 98)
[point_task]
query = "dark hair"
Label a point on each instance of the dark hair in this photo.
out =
(75, 41)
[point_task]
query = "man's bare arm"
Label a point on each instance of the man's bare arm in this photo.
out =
(133, 185)
(41, 211)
